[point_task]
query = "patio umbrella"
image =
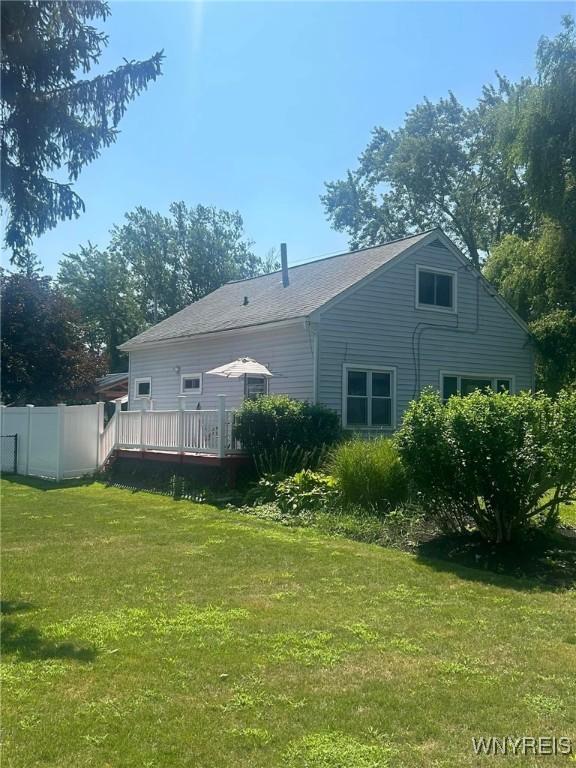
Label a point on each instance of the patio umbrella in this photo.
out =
(243, 366)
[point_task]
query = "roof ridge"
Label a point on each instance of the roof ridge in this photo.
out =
(335, 256)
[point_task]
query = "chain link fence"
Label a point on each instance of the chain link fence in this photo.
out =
(9, 454)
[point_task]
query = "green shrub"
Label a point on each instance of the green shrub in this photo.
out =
(306, 492)
(283, 434)
(369, 473)
(488, 459)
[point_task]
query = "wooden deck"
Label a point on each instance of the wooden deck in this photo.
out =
(231, 463)
(181, 436)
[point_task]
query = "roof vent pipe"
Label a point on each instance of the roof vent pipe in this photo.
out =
(284, 261)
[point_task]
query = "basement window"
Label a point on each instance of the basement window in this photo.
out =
(143, 387)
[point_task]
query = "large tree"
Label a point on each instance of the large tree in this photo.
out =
(537, 135)
(441, 168)
(53, 122)
(179, 258)
(154, 266)
(103, 289)
(540, 130)
(146, 243)
(46, 353)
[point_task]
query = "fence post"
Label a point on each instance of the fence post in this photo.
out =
(117, 412)
(142, 429)
(99, 430)
(61, 411)
(2, 412)
(100, 415)
(221, 426)
(181, 407)
(28, 438)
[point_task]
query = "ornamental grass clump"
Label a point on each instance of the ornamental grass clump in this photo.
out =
(369, 473)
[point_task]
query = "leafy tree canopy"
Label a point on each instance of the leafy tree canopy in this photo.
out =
(53, 121)
(104, 291)
(179, 258)
(537, 276)
(539, 127)
(481, 173)
(439, 169)
(154, 266)
(46, 355)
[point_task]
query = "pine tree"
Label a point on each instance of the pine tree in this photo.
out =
(51, 118)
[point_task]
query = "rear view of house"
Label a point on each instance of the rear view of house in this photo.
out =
(362, 333)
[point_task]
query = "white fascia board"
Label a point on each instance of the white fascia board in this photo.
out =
(127, 346)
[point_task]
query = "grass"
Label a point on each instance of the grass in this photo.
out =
(141, 631)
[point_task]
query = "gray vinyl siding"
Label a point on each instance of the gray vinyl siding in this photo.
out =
(287, 351)
(378, 324)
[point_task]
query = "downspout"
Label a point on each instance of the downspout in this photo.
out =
(129, 403)
(314, 338)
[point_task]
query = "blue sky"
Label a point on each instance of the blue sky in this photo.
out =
(260, 103)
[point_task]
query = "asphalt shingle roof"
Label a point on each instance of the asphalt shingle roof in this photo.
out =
(110, 379)
(311, 285)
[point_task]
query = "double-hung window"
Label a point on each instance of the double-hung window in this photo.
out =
(461, 384)
(435, 289)
(368, 397)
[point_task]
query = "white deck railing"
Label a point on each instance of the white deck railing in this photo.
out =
(208, 431)
(107, 440)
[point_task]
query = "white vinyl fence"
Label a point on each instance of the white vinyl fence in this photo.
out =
(57, 442)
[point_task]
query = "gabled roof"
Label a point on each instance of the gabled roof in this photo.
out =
(261, 300)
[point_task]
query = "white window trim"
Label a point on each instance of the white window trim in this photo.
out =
(142, 380)
(467, 375)
(432, 307)
(368, 369)
(190, 392)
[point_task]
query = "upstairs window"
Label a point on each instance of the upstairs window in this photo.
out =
(435, 290)
(143, 387)
(456, 384)
(191, 384)
(368, 398)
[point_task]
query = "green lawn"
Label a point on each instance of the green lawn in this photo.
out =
(140, 631)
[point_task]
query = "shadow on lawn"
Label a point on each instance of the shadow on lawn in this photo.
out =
(43, 484)
(541, 561)
(28, 644)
